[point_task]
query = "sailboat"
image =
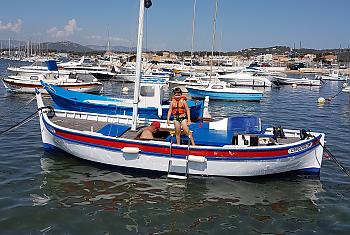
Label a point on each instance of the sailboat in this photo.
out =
(219, 90)
(234, 146)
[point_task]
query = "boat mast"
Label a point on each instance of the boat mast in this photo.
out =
(193, 25)
(213, 39)
(9, 47)
(143, 3)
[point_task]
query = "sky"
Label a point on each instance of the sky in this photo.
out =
(240, 24)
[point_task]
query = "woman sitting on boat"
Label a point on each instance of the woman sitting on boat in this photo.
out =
(181, 113)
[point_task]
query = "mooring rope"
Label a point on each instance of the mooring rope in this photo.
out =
(330, 98)
(25, 120)
(26, 104)
(332, 156)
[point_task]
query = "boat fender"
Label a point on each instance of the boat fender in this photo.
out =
(132, 150)
(199, 159)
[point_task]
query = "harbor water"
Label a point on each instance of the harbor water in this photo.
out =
(56, 193)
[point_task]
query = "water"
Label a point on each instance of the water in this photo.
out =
(55, 193)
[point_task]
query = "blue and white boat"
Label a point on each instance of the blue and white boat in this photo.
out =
(152, 102)
(220, 91)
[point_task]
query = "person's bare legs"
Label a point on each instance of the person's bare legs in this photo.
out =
(177, 131)
(187, 131)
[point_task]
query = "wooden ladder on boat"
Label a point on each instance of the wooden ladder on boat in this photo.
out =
(172, 174)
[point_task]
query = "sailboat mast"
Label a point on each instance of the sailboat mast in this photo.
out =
(193, 26)
(138, 66)
(213, 39)
(9, 47)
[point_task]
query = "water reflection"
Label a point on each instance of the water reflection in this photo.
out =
(145, 201)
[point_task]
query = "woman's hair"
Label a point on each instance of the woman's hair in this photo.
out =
(177, 90)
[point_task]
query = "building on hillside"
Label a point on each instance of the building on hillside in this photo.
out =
(330, 58)
(264, 58)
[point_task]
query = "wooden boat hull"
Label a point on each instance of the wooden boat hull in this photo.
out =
(304, 155)
(112, 106)
(14, 85)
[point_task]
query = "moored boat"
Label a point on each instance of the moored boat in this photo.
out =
(28, 84)
(230, 147)
(297, 81)
(189, 81)
(152, 103)
(247, 77)
(220, 91)
(333, 75)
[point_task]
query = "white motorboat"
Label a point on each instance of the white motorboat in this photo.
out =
(189, 81)
(278, 80)
(333, 75)
(82, 67)
(247, 77)
(222, 91)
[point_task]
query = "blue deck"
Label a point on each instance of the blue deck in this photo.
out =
(203, 134)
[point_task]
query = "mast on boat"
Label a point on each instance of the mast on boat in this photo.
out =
(143, 4)
(9, 47)
(193, 26)
(213, 39)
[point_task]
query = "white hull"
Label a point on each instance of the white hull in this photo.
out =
(330, 78)
(296, 81)
(182, 85)
(246, 79)
(23, 86)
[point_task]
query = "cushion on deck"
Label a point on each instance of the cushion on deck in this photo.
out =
(207, 137)
(244, 125)
(212, 137)
(114, 130)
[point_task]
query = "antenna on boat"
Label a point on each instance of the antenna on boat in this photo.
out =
(143, 4)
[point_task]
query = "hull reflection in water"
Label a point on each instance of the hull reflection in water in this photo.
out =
(67, 180)
(137, 204)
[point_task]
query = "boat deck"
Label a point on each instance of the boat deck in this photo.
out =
(96, 126)
(89, 125)
(78, 124)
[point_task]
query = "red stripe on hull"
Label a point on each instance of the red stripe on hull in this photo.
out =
(176, 151)
(41, 87)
